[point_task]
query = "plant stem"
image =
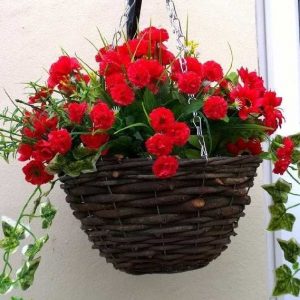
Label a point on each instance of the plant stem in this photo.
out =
(293, 206)
(293, 177)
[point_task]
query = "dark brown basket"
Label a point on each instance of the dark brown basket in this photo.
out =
(145, 225)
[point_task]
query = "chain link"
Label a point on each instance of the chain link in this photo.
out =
(181, 46)
(123, 21)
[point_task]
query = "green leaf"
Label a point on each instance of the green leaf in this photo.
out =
(233, 77)
(285, 282)
(226, 119)
(9, 230)
(194, 141)
(194, 106)
(33, 249)
(280, 219)
(296, 156)
(56, 165)
(296, 139)
(192, 153)
(80, 152)
(296, 266)
(150, 101)
(25, 275)
(291, 250)
(5, 284)
(131, 126)
(48, 213)
(279, 190)
(266, 155)
(16, 298)
(9, 244)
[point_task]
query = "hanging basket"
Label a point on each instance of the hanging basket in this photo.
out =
(145, 225)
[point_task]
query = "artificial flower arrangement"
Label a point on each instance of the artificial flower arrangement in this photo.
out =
(137, 104)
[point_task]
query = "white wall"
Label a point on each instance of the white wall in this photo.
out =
(31, 33)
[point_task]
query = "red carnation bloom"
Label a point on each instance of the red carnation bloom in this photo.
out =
(286, 150)
(102, 116)
(114, 79)
(179, 132)
(122, 94)
(154, 35)
(113, 62)
(60, 70)
(215, 108)
(42, 151)
(165, 166)
(136, 48)
(40, 96)
(35, 173)
(161, 119)
(76, 111)
(155, 69)
(189, 82)
(272, 118)
(159, 144)
(252, 80)
(25, 152)
(94, 141)
(281, 165)
(165, 56)
(138, 73)
(212, 71)
(192, 64)
(60, 141)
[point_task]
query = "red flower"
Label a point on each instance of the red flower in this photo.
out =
(154, 34)
(94, 141)
(25, 152)
(272, 118)
(35, 173)
(165, 166)
(114, 79)
(189, 82)
(161, 119)
(60, 70)
(192, 64)
(138, 73)
(212, 71)
(40, 95)
(165, 56)
(179, 132)
(215, 108)
(242, 147)
(155, 69)
(282, 165)
(122, 94)
(159, 144)
(77, 111)
(247, 100)
(252, 80)
(136, 48)
(286, 150)
(60, 141)
(42, 151)
(102, 116)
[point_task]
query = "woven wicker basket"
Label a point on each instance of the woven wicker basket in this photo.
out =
(145, 225)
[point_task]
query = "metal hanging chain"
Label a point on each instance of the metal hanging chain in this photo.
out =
(181, 46)
(123, 22)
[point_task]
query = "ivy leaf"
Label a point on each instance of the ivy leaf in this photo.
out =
(279, 190)
(25, 275)
(296, 139)
(48, 213)
(285, 282)
(9, 230)
(5, 284)
(56, 165)
(280, 219)
(80, 152)
(296, 156)
(9, 244)
(32, 249)
(291, 250)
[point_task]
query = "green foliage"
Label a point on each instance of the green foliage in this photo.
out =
(291, 250)
(280, 219)
(25, 275)
(279, 190)
(286, 283)
(5, 284)
(33, 249)
(48, 213)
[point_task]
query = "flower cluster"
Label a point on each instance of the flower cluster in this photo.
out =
(142, 101)
(168, 134)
